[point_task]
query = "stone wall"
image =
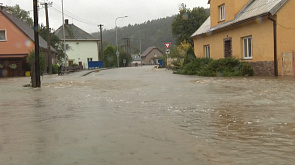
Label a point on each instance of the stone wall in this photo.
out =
(263, 68)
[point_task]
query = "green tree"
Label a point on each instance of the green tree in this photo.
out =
(54, 42)
(110, 58)
(22, 14)
(187, 22)
(31, 60)
(125, 56)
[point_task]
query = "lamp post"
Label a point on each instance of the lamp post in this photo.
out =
(118, 53)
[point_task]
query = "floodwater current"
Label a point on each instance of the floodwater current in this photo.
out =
(143, 116)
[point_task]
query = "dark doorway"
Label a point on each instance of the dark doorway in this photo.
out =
(70, 63)
(228, 47)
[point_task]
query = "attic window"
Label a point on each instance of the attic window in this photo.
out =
(222, 12)
(3, 35)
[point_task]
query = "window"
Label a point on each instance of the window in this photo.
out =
(2, 35)
(222, 12)
(207, 51)
(247, 45)
(89, 59)
(155, 55)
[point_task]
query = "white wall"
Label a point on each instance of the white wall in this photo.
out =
(79, 51)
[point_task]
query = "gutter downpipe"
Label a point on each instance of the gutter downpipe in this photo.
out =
(275, 45)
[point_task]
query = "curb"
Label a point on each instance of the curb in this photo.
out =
(94, 71)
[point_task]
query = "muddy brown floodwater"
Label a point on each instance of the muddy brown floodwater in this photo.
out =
(145, 116)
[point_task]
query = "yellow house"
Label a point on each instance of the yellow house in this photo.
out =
(255, 31)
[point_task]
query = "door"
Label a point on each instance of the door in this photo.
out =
(288, 63)
(228, 47)
(70, 63)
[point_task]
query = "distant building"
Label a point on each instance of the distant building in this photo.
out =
(151, 55)
(16, 42)
(81, 46)
(135, 60)
(246, 30)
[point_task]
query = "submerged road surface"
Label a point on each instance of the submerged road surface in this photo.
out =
(147, 116)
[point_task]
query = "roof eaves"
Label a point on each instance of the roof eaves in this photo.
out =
(277, 7)
(231, 25)
(236, 21)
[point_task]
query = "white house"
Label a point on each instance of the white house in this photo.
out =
(81, 46)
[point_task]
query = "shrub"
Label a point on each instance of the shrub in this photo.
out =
(54, 68)
(42, 61)
(176, 64)
(222, 67)
(246, 70)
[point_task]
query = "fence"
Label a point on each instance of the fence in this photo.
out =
(288, 63)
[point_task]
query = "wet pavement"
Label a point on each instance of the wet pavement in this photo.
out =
(143, 116)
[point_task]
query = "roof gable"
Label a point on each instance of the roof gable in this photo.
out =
(72, 32)
(148, 50)
(253, 9)
(26, 29)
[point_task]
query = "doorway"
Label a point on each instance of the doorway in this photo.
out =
(227, 47)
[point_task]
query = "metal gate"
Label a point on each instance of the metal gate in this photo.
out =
(288, 63)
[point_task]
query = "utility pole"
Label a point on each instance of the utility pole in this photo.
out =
(101, 45)
(127, 45)
(64, 33)
(37, 48)
(49, 55)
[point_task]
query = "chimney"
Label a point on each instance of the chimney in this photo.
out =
(66, 21)
(1, 7)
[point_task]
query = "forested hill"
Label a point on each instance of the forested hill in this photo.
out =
(153, 33)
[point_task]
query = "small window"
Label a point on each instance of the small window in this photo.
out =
(3, 35)
(89, 59)
(155, 55)
(222, 12)
(207, 51)
(247, 48)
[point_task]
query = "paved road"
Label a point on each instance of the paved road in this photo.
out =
(132, 116)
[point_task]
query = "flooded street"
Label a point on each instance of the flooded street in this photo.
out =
(145, 116)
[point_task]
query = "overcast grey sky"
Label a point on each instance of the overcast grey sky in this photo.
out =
(87, 14)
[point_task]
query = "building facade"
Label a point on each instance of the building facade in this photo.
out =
(255, 31)
(151, 55)
(81, 46)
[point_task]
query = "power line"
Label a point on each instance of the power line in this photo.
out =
(75, 17)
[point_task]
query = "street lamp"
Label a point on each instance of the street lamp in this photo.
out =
(118, 53)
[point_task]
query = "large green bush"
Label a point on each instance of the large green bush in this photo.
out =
(221, 67)
(42, 61)
(110, 58)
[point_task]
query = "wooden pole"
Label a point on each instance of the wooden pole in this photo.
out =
(48, 40)
(37, 48)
